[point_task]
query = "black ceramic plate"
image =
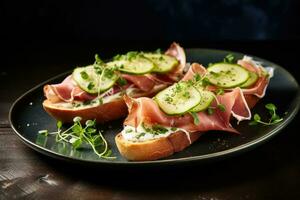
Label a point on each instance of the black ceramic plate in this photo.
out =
(27, 117)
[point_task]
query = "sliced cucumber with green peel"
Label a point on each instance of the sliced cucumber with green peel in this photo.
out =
(163, 63)
(227, 75)
(251, 80)
(178, 98)
(88, 79)
(206, 98)
(136, 65)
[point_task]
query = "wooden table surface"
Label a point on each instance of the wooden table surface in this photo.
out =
(270, 171)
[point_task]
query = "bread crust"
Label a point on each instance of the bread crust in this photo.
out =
(102, 113)
(156, 148)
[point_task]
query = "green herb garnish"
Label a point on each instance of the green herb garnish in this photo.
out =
(90, 85)
(186, 95)
(221, 107)
(131, 55)
(197, 77)
(43, 132)
(109, 72)
(158, 51)
(274, 117)
(84, 75)
(100, 101)
(205, 82)
(210, 110)
(229, 59)
(98, 60)
(169, 99)
(79, 134)
(121, 81)
(173, 129)
(195, 117)
(219, 91)
(140, 135)
(155, 129)
(159, 129)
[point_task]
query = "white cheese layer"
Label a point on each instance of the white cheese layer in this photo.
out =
(76, 105)
(139, 134)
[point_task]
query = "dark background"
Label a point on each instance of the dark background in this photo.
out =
(149, 20)
(41, 39)
(72, 32)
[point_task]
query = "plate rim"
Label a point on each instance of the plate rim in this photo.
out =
(216, 155)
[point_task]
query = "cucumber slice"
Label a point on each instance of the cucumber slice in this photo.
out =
(163, 63)
(206, 98)
(227, 75)
(136, 65)
(178, 98)
(251, 80)
(88, 79)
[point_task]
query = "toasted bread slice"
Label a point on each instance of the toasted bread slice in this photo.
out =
(156, 148)
(102, 113)
(113, 110)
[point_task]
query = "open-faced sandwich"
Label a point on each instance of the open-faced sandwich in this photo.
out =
(205, 99)
(95, 91)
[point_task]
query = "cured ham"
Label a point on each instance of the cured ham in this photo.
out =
(259, 88)
(140, 81)
(251, 94)
(237, 103)
(145, 110)
(68, 91)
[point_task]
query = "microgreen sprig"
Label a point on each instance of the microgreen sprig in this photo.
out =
(195, 117)
(79, 134)
(274, 117)
(229, 58)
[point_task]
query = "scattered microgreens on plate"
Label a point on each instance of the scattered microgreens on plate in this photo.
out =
(79, 134)
(274, 117)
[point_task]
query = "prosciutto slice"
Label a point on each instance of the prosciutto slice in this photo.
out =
(259, 88)
(68, 91)
(141, 81)
(145, 110)
(237, 103)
